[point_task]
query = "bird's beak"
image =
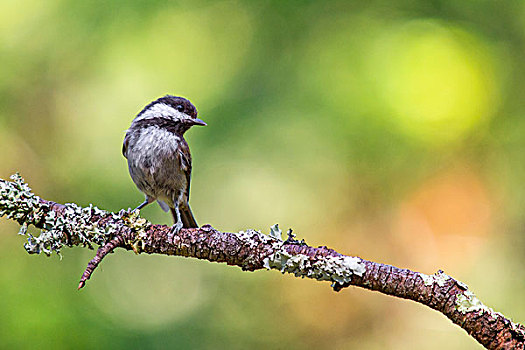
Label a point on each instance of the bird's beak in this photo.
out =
(198, 121)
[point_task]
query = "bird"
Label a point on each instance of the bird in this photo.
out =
(159, 159)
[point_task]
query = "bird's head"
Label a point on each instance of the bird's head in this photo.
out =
(176, 111)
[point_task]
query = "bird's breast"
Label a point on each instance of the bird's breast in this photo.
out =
(153, 161)
(156, 143)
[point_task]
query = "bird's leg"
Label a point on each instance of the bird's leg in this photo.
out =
(177, 226)
(177, 218)
(147, 201)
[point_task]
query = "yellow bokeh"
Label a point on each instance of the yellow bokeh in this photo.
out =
(438, 81)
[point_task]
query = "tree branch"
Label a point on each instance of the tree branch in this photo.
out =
(70, 225)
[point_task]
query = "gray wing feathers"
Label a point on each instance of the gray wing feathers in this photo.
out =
(125, 145)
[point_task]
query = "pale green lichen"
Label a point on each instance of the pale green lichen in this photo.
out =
(17, 202)
(248, 235)
(338, 269)
(73, 227)
(138, 225)
(275, 232)
(253, 238)
(465, 301)
(468, 302)
(439, 278)
(76, 222)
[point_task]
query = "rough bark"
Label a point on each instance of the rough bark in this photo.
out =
(69, 225)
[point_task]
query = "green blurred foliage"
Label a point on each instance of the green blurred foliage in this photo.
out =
(389, 131)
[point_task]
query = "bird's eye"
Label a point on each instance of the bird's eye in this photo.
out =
(180, 108)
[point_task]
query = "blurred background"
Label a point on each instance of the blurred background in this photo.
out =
(394, 132)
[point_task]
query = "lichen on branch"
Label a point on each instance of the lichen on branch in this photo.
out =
(71, 225)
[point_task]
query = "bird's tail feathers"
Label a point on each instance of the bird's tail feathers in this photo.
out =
(188, 220)
(163, 205)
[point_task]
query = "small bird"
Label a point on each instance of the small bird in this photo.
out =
(159, 159)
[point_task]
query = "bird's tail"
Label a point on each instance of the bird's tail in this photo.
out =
(188, 220)
(163, 205)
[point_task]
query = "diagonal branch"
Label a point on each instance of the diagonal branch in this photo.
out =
(70, 225)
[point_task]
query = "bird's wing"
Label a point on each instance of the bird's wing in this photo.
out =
(125, 145)
(185, 163)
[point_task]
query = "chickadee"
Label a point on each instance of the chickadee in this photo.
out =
(159, 158)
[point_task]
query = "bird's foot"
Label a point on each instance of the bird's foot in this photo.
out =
(175, 229)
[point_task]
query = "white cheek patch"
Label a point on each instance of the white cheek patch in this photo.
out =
(161, 110)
